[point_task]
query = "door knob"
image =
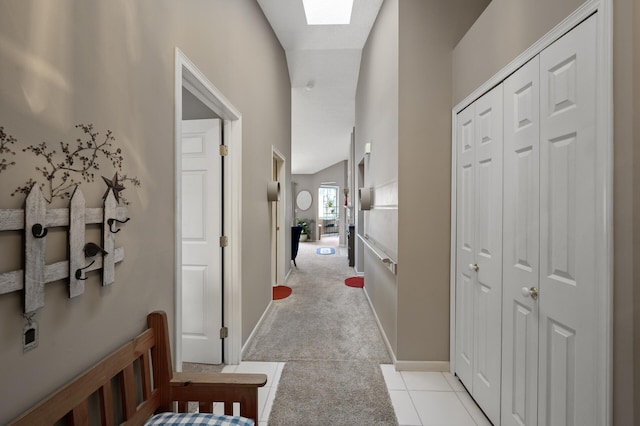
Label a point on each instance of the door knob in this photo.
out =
(533, 292)
(474, 267)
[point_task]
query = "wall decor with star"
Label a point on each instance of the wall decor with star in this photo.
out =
(59, 174)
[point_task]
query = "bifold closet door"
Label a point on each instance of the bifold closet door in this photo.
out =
(465, 244)
(570, 215)
(521, 246)
(488, 253)
(479, 250)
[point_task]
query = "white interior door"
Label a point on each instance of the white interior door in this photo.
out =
(569, 217)
(487, 220)
(521, 246)
(465, 244)
(201, 252)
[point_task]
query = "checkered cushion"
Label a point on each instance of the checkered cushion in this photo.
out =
(188, 419)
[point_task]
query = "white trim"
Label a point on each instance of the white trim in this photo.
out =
(452, 269)
(384, 335)
(233, 218)
(605, 135)
(604, 61)
(177, 348)
(441, 366)
(254, 331)
(187, 75)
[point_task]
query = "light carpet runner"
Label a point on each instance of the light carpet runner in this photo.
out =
(328, 337)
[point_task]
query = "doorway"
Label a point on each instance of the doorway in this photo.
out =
(202, 206)
(278, 174)
(225, 313)
(359, 245)
(328, 211)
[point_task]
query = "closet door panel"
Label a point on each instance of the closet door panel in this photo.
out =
(521, 245)
(568, 261)
(488, 252)
(465, 275)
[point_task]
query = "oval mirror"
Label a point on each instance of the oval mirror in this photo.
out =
(303, 200)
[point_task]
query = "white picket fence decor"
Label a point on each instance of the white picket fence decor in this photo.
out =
(35, 220)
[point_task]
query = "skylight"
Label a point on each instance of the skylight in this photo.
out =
(328, 12)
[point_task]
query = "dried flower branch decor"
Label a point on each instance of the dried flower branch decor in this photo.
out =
(67, 168)
(5, 141)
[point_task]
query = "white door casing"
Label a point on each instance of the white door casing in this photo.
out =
(275, 227)
(570, 215)
(521, 246)
(201, 252)
(487, 220)
(465, 244)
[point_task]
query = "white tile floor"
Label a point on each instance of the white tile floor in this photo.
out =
(430, 398)
(419, 398)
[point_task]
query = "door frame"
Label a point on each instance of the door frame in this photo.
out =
(280, 206)
(187, 75)
(604, 114)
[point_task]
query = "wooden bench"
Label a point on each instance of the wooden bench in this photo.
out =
(146, 385)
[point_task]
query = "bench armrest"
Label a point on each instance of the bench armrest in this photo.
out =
(226, 388)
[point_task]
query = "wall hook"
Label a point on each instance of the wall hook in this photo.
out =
(39, 231)
(111, 221)
(91, 249)
(79, 271)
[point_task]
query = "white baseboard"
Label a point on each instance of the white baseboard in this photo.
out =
(359, 274)
(442, 366)
(286, 277)
(384, 335)
(253, 332)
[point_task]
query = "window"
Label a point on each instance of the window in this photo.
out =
(328, 12)
(328, 209)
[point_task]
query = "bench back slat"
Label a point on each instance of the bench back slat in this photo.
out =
(106, 404)
(128, 391)
(79, 416)
(73, 394)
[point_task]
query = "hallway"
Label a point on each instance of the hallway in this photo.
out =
(327, 327)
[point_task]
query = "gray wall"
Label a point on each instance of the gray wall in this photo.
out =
(504, 30)
(429, 30)
(377, 123)
(403, 108)
(336, 173)
(111, 63)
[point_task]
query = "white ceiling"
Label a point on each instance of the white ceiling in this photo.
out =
(328, 56)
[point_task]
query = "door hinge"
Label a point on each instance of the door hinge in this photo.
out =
(224, 241)
(224, 150)
(224, 332)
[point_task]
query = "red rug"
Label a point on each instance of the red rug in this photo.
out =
(355, 282)
(281, 291)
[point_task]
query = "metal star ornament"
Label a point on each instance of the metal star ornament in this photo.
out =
(114, 185)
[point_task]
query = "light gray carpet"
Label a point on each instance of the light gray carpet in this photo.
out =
(329, 338)
(324, 393)
(323, 319)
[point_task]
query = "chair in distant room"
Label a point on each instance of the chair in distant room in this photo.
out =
(295, 242)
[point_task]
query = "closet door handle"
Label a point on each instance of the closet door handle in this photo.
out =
(533, 292)
(474, 267)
